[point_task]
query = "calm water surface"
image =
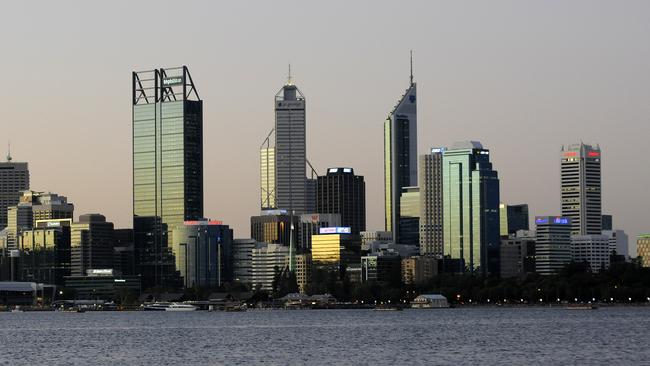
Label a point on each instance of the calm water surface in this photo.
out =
(613, 336)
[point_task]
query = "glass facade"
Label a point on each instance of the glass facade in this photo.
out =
(167, 160)
(267, 177)
(400, 156)
(203, 252)
(471, 208)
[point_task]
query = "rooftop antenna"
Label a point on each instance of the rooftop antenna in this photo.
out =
(289, 77)
(411, 67)
(9, 151)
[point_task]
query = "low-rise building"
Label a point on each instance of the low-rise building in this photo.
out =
(591, 249)
(265, 261)
(643, 249)
(416, 270)
(518, 254)
(430, 302)
(383, 267)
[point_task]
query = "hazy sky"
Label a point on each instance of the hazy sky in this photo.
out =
(522, 77)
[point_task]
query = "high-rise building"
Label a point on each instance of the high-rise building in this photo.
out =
(400, 155)
(471, 207)
(581, 188)
(430, 178)
(512, 218)
(167, 161)
(14, 178)
(552, 244)
(342, 192)
(265, 261)
(203, 251)
(291, 150)
(409, 216)
(19, 218)
(45, 252)
(310, 224)
(242, 254)
(32, 207)
(591, 249)
(643, 249)
(47, 206)
(618, 242)
(91, 244)
(518, 254)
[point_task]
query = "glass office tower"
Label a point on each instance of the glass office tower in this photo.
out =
(167, 158)
(400, 156)
(471, 207)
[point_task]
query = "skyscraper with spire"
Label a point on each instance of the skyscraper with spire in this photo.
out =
(14, 178)
(283, 166)
(400, 154)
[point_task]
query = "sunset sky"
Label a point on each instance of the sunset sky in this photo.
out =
(522, 77)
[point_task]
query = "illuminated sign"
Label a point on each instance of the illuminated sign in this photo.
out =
(335, 230)
(172, 81)
(119, 280)
(347, 170)
(53, 224)
(561, 220)
(593, 154)
(99, 272)
(437, 150)
(203, 222)
(332, 170)
(541, 220)
(556, 220)
(570, 153)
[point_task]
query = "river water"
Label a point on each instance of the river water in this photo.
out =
(486, 336)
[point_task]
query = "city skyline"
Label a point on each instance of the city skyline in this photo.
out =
(614, 121)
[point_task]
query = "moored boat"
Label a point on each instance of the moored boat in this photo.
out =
(167, 306)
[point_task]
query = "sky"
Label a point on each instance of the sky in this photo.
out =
(522, 77)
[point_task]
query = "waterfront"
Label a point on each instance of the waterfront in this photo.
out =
(349, 337)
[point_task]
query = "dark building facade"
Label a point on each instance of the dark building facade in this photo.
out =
(400, 155)
(274, 227)
(154, 260)
(167, 160)
(91, 244)
(45, 252)
(342, 192)
(513, 218)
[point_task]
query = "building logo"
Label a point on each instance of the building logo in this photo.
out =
(335, 230)
(172, 81)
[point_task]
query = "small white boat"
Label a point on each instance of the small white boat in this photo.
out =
(167, 306)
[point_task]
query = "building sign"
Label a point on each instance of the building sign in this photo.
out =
(593, 154)
(100, 272)
(172, 81)
(556, 220)
(561, 221)
(570, 153)
(335, 230)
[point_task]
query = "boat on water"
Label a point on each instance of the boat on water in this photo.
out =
(387, 308)
(169, 306)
